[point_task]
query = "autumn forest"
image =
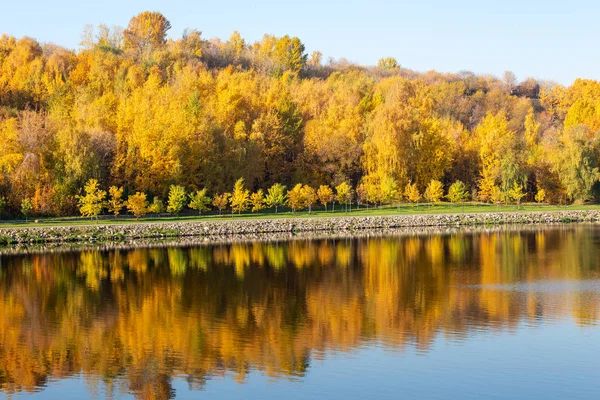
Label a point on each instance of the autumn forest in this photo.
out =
(134, 109)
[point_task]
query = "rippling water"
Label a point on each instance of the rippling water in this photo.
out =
(500, 314)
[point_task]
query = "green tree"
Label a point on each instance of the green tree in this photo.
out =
(177, 199)
(257, 200)
(240, 197)
(199, 201)
(115, 201)
(276, 196)
(26, 207)
(434, 191)
(92, 203)
(577, 162)
(137, 204)
(457, 193)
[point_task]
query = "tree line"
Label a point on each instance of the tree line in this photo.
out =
(135, 109)
(300, 197)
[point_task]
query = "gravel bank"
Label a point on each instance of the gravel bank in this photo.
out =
(250, 228)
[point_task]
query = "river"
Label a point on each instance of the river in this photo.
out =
(502, 313)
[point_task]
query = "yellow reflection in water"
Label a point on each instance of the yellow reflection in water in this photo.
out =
(142, 316)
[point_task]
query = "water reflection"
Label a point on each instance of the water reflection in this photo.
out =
(132, 320)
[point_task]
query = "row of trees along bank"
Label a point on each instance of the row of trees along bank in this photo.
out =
(95, 200)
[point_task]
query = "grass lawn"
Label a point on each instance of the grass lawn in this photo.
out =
(402, 209)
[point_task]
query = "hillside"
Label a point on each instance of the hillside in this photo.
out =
(133, 109)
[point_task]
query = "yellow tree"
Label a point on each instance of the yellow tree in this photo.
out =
(500, 154)
(295, 197)
(137, 204)
(434, 191)
(371, 186)
(157, 206)
(146, 32)
(487, 185)
(411, 192)
(92, 202)
(388, 191)
(516, 193)
(257, 199)
(362, 195)
(177, 199)
(220, 201)
(325, 195)
(310, 196)
(115, 202)
(344, 194)
(540, 196)
(240, 197)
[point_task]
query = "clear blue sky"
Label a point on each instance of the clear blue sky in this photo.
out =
(551, 39)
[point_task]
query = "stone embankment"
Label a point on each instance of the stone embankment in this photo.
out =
(248, 228)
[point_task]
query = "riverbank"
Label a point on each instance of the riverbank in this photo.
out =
(248, 228)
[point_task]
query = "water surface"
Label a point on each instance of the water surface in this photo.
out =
(499, 314)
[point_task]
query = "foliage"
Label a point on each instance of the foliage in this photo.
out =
(146, 32)
(26, 207)
(221, 200)
(457, 192)
(540, 195)
(177, 199)
(388, 192)
(137, 204)
(157, 206)
(115, 202)
(92, 203)
(136, 110)
(343, 193)
(276, 196)
(240, 197)
(310, 197)
(295, 197)
(516, 193)
(388, 63)
(434, 191)
(325, 195)
(257, 199)
(411, 192)
(199, 201)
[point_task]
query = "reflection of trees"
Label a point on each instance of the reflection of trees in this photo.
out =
(137, 318)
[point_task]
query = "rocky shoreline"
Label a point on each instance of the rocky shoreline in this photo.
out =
(260, 227)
